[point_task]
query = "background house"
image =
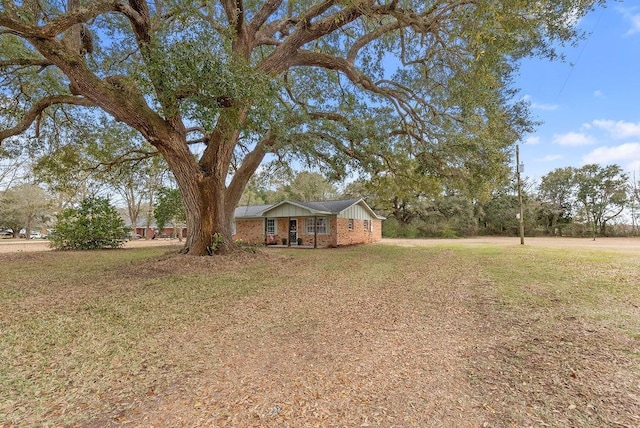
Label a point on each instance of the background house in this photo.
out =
(314, 224)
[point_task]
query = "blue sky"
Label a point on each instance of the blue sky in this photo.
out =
(590, 104)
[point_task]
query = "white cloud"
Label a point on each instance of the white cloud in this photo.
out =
(629, 152)
(620, 129)
(540, 106)
(635, 23)
(547, 107)
(532, 140)
(551, 158)
(598, 93)
(573, 139)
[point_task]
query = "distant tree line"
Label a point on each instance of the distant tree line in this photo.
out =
(588, 201)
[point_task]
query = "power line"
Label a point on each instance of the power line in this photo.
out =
(584, 45)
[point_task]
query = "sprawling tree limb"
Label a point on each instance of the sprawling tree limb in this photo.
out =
(248, 167)
(63, 22)
(138, 13)
(305, 32)
(268, 8)
(371, 37)
(336, 117)
(317, 10)
(25, 62)
(331, 62)
(133, 157)
(32, 114)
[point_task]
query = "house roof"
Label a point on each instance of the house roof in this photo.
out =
(333, 207)
(250, 211)
(313, 207)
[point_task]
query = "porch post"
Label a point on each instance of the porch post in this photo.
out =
(315, 232)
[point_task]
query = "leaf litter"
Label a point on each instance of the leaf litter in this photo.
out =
(360, 336)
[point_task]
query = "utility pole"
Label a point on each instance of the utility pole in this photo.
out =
(519, 169)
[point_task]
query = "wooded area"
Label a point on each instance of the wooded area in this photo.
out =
(578, 202)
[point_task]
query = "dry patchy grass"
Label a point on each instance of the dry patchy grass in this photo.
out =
(361, 336)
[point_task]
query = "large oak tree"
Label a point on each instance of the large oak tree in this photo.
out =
(214, 86)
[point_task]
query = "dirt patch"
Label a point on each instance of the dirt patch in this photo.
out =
(36, 245)
(175, 263)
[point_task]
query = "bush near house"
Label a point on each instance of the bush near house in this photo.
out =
(94, 224)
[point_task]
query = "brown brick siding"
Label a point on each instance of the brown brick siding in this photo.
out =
(358, 235)
(252, 231)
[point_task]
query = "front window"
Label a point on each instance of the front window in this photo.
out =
(323, 227)
(271, 226)
(321, 223)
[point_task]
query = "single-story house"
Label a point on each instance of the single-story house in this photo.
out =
(314, 224)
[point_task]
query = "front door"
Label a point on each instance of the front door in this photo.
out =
(293, 231)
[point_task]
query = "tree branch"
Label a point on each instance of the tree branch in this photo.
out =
(63, 22)
(315, 10)
(279, 61)
(330, 116)
(141, 155)
(268, 9)
(41, 105)
(138, 13)
(330, 62)
(25, 62)
(400, 96)
(196, 129)
(249, 165)
(370, 37)
(235, 13)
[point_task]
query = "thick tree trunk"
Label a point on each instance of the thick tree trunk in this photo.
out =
(208, 215)
(208, 225)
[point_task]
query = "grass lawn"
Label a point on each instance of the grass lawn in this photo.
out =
(363, 336)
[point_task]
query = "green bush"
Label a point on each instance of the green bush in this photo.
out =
(94, 224)
(448, 232)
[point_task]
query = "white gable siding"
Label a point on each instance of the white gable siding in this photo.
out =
(288, 210)
(357, 212)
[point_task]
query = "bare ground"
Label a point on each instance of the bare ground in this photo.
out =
(15, 245)
(424, 345)
(622, 244)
